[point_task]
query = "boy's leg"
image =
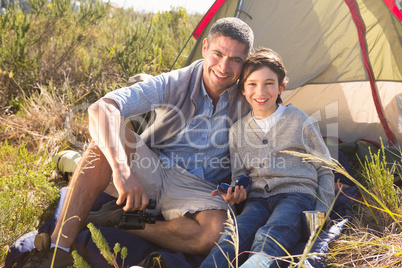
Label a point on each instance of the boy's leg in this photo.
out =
(282, 230)
(254, 215)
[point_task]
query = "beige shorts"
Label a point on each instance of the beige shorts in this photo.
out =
(175, 190)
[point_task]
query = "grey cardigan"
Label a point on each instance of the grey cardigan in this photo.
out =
(259, 155)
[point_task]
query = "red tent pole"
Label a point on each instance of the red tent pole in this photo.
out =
(207, 17)
(395, 8)
(201, 25)
(361, 30)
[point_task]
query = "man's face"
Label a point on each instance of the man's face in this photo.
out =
(223, 60)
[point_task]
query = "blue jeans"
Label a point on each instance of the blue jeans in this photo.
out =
(262, 221)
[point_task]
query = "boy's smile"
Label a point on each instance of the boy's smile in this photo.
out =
(261, 90)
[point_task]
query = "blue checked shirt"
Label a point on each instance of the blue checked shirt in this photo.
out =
(202, 146)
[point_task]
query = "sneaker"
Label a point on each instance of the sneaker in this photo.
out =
(43, 258)
(107, 216)
(42, 241)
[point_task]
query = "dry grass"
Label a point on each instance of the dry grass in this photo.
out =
(42, 123)
(360, 247)
(367, 241)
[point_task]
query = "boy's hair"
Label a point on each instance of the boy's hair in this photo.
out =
(264, 57)
(234, 28)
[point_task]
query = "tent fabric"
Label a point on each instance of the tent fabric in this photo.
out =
(354, 10)
(321, 44)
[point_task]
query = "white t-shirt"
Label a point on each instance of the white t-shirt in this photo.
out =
(267, 123)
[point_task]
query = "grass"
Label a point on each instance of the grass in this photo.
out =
(27, 198)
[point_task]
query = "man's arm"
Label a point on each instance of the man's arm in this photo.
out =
(107, 131)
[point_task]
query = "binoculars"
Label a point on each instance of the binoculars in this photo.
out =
(137, 219)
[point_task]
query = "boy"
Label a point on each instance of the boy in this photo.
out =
(283, 186)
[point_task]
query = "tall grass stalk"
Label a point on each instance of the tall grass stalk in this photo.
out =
(313, 238)
(230, 228)
(101, 243)
(87, 165)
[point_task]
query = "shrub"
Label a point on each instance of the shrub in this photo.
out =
(47, 44)
(379, 180)
(25, 192)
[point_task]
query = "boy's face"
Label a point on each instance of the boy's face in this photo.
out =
(223, 60)
(261, 90)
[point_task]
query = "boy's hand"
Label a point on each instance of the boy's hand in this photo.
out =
(236, 197)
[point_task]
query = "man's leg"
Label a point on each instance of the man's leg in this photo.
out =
(193, 234)
(90, 178)
(194, 218)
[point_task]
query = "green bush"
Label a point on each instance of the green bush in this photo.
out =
(173, 25)
(135, 53)
(379, 179)
(47, 44)
(55, 43)
(25, 192)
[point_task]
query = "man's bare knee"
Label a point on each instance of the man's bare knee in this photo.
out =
(94, 168)
(211, 223)
(94, 154)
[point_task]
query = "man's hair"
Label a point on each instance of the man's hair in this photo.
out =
(234, 28)
(264, 57)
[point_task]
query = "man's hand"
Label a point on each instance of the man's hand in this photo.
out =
(130, 190)
(236, 197)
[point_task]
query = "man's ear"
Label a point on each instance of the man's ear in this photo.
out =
(204, 46)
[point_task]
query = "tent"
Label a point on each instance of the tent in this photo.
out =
(344, 59)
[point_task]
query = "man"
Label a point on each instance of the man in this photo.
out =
(177, 161)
